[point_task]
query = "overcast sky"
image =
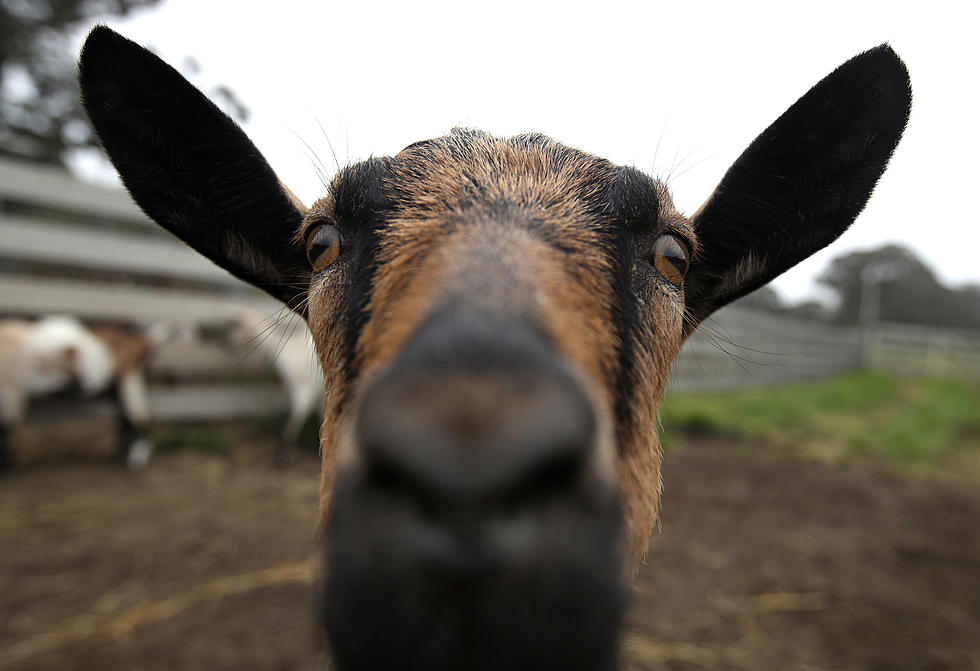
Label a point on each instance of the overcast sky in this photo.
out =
(617, 79)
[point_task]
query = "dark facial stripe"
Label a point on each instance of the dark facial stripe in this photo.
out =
(635, 208)
(360, 208)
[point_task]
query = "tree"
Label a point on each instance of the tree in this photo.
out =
(41, 117)
(892, 283)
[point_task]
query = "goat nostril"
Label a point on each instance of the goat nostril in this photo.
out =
(382, 473)
(557, 472)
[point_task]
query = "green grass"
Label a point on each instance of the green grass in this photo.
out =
(190, 437)
(220, 438)
(909, 423)
(869, 416)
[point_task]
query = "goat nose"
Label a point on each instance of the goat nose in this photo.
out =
(468, 437)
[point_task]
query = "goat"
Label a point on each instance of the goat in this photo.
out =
(496, 319)
(290, 349)
(57, 353)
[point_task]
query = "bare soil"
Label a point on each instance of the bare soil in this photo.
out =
(207, 562)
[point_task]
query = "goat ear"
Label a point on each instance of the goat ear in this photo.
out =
(801, 183)
(190, 167)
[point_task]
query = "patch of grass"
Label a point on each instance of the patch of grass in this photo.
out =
(189, 437)
(271, 428)
(223, 438)
(907, 422)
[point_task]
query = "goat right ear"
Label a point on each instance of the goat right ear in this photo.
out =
(801, 183)
(190, 167)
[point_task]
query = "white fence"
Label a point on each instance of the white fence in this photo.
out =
(72, 248)
(920, 350)
(68, 247)
(738, 348)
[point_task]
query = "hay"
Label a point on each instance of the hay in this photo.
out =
(125, 623)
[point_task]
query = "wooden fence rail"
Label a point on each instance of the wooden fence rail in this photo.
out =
(73, 248)
(739, 348)
(920, 350)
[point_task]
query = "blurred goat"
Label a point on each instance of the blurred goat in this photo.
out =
(496, 320)
(289, 346)
(59, 353)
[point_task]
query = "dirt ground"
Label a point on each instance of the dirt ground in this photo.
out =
(206, 562)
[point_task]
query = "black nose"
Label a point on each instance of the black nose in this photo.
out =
(502, 419)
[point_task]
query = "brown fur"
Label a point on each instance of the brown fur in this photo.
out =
(131, 349)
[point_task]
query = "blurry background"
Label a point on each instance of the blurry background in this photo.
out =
(823, 434)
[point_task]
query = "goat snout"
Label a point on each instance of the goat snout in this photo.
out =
(472, 411)
(474, 530)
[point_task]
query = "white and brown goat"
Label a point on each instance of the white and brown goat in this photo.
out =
(290, 349)
(496, 319)
(58, 353)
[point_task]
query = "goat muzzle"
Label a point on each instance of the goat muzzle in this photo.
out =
(473, 531)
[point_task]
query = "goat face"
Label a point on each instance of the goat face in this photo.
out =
(475, 321)
(496, 320)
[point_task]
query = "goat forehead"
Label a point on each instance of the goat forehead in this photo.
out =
(465, 171)
(470, 170)
(477, 154)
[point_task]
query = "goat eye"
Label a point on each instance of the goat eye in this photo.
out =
(323, 247)
(671, 258)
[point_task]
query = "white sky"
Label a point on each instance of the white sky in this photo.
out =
(613, 78)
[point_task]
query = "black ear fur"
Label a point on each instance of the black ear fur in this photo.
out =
(801, 183)
(189, 166)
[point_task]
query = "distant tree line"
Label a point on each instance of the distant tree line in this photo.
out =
(890, 284)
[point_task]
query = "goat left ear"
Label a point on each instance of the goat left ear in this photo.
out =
(801, 183)
(190, 167)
